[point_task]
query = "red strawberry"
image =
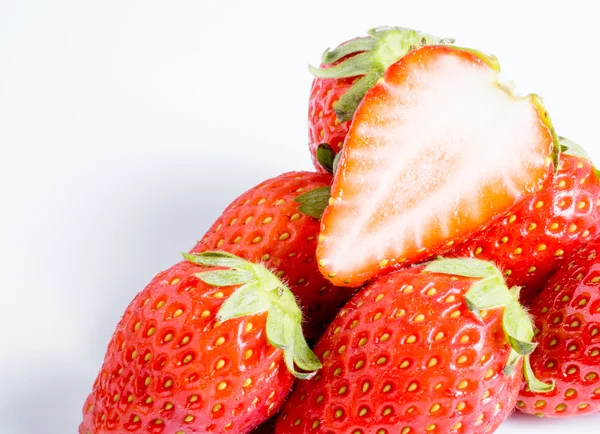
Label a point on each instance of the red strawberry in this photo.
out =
(533, 240)
(567, 314)
(200, 351)
(437, 150)
(418, 351)
(267, 224)
(346, 73)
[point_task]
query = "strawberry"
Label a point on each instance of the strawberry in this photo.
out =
(532, 241)
(201, 350)
(437, 150)
(567, 314)
(271, 223)
(346, 73)
(424, 349)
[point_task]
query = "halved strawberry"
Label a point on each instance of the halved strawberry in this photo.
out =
(437, 150)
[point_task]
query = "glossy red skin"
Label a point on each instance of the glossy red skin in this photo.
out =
(544, 247)
(568, 311)
(120, 392)
(390, 306)
(323, 125)
(293, 259)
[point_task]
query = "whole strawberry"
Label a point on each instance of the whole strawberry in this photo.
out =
(567, 314)
(532, 241)
(346, 73)
(273, 223)
(419, 350)
(201, 350)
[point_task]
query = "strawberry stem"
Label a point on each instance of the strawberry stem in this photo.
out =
(261, 291)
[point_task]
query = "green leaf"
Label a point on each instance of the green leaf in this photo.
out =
(346, 106)
(518, 329)
(354, 46)
(356, 65)
(513, 359)
(465, 267)
(303, 355)
(336, 162)
(219, 259)
(276, 322)
(314, 202)
(534, 384)
(247, 300)
(229, 277)
(489, 293)
(325, 156)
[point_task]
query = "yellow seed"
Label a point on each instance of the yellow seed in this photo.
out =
(559, 252)
(216, 408)
(365, 387)
(462, 359)
(377, 316)
(220, 243)
(405, 364)
(177, 313)
(284, 236)
(384, 337)
(411, 339)
(220, 364)
(160, 304)
(539, 204)
(478, 250)
(218, 295)
(432, 292)
(381, 360)
(518, 251)
(168, 337)
(542, 247)
(463, 385)
(532, 227)
(342, 390)
(433, 362)
(581, 205)
(337, 372)
(434, 408)
(342, 349)
(461, 406)
(384, 263)
(439, 336)
(431, 427)
(359, 364)
(413, 387)
(561, 407)
(512, 218)
(504, 240)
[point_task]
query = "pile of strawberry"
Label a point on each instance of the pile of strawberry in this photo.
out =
(443, 206)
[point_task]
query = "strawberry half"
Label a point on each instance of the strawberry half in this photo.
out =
(437, 150)
(536, 237)
(433, 349)
(272, 224)
(210, 345)
(346, 74)
(567, 314)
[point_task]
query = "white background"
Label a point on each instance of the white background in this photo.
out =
(127, 126)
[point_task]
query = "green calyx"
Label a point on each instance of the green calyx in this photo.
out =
(371, 56)
(571, 148)
(490, 292)
(261, 291)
